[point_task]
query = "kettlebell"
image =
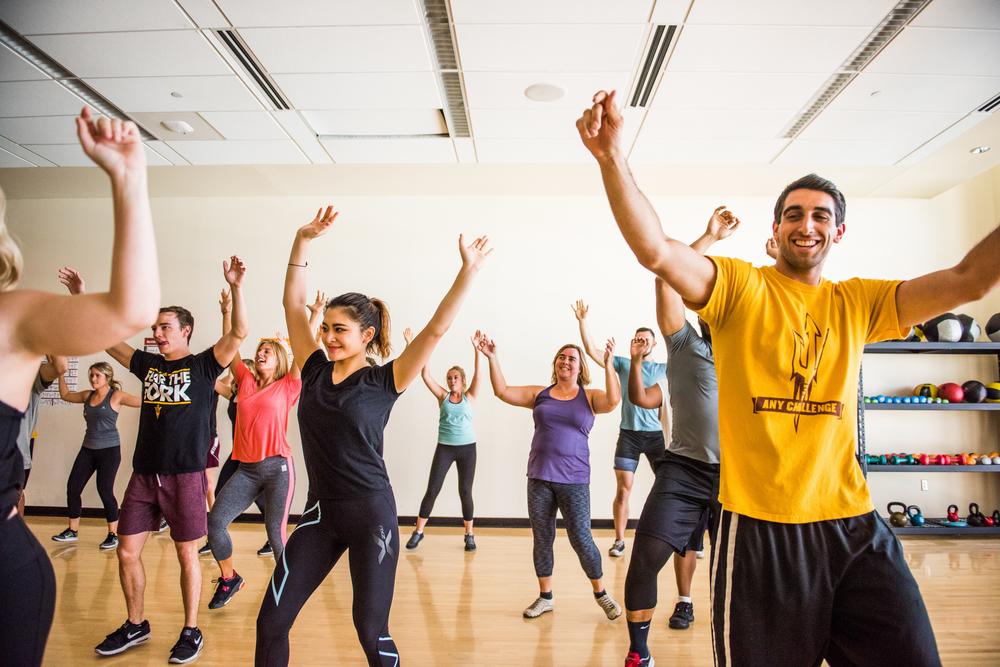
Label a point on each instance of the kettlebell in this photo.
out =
(976, 519)
(952, 512)
(898, 517)
(915, 516)
(996, 518)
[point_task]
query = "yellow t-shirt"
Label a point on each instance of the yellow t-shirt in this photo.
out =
(787, 356)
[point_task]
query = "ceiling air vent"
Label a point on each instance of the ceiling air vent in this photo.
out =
(250, 67)
(887, 29)
(991, 105)
(652, 64)
(439, 28)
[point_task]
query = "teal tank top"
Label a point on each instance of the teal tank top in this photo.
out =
(455, 424)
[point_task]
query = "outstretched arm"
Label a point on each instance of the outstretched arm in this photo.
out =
(70, 396)
(417, 353)
(227, 348)
(580, 309)
(74, 282)
(128, 400)
(607, 400)
(974, 277)
(301, 336)
(689, 273)
(641, 395)
(131, 301)
(523, 396)
(439, 392)
(473, 390)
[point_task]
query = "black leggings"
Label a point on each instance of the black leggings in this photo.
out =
(227, 471)
(105, 462)
(649, 555)
(27, 594)
(464, 457)
(367, 528)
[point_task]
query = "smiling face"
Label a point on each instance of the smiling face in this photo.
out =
(266, 360)
(343, 336)
(566, 366)
(807, 230)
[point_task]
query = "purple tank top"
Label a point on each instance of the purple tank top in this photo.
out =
(560, 449)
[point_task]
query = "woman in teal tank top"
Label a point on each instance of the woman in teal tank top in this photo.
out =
(456, 443)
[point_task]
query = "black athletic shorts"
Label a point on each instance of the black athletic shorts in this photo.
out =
(798, 594)
(632, 444)
(682, 503)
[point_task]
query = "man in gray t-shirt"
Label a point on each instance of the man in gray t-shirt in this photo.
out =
(47, 374)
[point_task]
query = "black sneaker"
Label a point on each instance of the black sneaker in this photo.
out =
(163, 526)
(110, 542)
(124, 638)
(265, 550)
(188, 647)
(225, 591)
(414, 540)
(68, 535)
(205, 550)
(683, 616)
(470, 542)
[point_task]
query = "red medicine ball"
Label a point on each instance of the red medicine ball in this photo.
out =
(951, 392)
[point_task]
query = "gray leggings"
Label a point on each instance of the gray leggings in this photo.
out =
(573, 501)
(275, 477)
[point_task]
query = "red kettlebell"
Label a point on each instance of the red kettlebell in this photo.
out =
(952, 512)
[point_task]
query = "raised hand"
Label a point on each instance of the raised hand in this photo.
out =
(225, 301)
(609, 351)
(580, 309)
(487, 346)
(638, 348)
(72, 279)
(408, 335)
(317, 305)
(477, 339)
(475, 253)
(722, 223)
(771, 248)
(319, 224)
(234, 270)
(113, 144)
(600, 125)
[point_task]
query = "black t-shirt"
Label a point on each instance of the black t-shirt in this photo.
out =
(213, 419)
(174, 422)
(342, 428)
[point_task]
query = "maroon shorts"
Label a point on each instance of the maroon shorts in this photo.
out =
(180, 499)
(213, 454)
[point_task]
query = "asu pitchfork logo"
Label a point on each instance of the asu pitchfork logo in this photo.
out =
(382, 540)
(810, 343)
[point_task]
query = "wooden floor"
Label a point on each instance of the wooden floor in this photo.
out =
(453, 608)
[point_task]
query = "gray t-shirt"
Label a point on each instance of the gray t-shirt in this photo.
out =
(694, 396)
(30, 419)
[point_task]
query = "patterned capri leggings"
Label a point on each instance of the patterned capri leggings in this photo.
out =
(573, 501)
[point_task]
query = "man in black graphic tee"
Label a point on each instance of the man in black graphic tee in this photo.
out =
(171, 451)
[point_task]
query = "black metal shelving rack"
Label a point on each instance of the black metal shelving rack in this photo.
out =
(928, 348)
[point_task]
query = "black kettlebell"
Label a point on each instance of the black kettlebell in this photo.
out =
(898, 517)
(996, 518)
(975, 518)
(915, 516)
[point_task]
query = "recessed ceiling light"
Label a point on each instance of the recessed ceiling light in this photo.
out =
(177, 126)
(543, 92)
(979, 150)
(175, 94)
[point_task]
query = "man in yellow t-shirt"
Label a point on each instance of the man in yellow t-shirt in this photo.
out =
(803, 569)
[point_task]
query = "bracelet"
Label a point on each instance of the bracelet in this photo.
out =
(301, 266)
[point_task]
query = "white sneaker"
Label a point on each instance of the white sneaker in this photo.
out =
(617, 549)
(699, 554)
(610, 607)
(539, 607)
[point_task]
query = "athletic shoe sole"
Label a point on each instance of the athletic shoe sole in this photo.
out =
(178, 661)
(108, 547)
(65, 539)
(134, 642)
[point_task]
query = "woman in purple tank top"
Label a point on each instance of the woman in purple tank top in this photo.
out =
(559, 462)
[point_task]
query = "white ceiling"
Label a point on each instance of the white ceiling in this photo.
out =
(362, 82)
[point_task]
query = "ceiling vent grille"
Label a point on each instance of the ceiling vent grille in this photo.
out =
(887, 29)
(653, 64)
(991, 105)
(22, 47)
(252, 68)
(439, 28)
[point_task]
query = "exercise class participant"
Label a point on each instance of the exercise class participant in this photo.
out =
(171, 449)
(101, 449)
(683, 501)
(48, 371)
(640, 431)
(33, 323)
(456, 443)
(260, 444)
(559, 462)
(342, 414)
(804, 569)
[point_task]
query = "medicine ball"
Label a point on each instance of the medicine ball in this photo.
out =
(951, 392)
(946, 328)
(993, 392)
(975, 391)
(970, 329)
(928, 390)
(993, 328)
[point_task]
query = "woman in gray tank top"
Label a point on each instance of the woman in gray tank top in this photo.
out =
(101, 450)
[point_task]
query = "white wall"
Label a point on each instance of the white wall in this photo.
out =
(550, 251)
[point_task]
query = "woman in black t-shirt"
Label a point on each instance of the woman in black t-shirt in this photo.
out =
(342, 415)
